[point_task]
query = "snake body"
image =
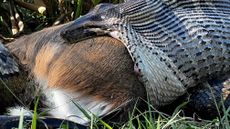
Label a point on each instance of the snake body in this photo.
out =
(7, 63)
(175, 44)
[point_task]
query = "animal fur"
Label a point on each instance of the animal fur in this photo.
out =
(87, 73)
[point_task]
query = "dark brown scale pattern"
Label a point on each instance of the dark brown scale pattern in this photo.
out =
(195, 35)
(176, 44)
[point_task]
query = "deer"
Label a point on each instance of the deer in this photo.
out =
(85, 74)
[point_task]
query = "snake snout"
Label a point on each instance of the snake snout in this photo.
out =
(76, 35)
(82, 28)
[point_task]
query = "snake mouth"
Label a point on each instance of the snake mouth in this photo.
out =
(83, 28)
(80, 34)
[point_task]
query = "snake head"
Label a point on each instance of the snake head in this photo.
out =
(100, 21)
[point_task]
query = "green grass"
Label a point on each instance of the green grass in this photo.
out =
(21, 119)
(78, 9)
(35, 115)
(160, 120)
(149, 119)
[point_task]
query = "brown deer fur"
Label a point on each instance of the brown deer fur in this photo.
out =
(100, 68)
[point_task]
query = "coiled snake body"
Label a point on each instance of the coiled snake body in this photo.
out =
(175, 44)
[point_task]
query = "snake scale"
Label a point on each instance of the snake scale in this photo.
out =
(175, 44)
(7, 64)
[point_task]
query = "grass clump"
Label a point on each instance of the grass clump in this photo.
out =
(149, 119)
(153, 119)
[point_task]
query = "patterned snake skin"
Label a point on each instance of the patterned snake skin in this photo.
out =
(7, 63)
(175, 44)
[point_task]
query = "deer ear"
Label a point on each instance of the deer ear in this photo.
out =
(7, 64)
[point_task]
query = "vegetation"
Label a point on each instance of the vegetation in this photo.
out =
(19, 17)
(153, 119)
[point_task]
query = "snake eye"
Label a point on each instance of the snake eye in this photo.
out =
(102, 16)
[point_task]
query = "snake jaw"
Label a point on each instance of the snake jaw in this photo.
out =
(84, 28)
(98, 22)
(78, 34)
(80, 29)
(81, 33)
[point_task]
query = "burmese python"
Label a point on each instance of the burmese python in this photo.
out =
(175, 44)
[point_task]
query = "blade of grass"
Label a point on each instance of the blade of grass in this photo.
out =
(225, 119)
(12, 92)
(34, 120)
(86, 114)
(78, 10)
(21, 120)
(105, 124)
(91, 122)
(173, 120)
(89, 117)
(178, 108)
(158, 122)
(65, 126)
(139, 123)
